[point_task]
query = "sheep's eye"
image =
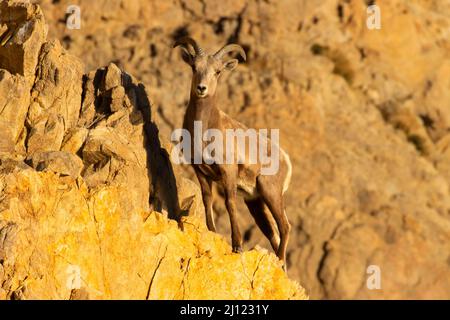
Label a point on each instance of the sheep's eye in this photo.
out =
(217, 72)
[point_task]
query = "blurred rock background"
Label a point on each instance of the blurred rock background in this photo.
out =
(364, 115)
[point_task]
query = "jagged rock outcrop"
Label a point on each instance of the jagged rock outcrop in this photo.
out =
(90, 205)
(59, 240)
(364, 115)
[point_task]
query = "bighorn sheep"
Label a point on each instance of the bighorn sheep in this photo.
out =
(258, 190)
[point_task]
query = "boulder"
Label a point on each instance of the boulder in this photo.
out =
(61, 162)
(55, 98)
(22, 33)
(14, 102)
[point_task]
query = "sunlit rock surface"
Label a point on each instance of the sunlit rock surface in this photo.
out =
(90, 204)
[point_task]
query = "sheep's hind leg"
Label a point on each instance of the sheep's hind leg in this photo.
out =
(274, 200)
(262, 219)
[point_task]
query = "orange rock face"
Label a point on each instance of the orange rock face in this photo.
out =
(83, 174)
(62, 241)
(364, 115)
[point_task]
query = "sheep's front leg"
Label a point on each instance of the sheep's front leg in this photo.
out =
(205, 185)
(230, 188)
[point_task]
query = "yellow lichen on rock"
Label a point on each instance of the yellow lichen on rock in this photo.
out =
(60, 241)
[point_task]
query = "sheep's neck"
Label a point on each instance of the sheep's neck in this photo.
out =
(201, 109)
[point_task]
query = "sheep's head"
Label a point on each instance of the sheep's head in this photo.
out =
(206, 69)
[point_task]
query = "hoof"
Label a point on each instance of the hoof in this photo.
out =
(237, 249)
(285, 267)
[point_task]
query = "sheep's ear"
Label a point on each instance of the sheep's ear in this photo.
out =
(231, 64)
(186, 56)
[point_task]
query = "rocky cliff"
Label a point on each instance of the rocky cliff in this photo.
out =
(90, 204)
(364, 115)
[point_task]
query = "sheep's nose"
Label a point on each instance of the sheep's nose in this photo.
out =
(201, 88)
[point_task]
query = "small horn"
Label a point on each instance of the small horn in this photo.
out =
(189, 41)
(229, 48)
